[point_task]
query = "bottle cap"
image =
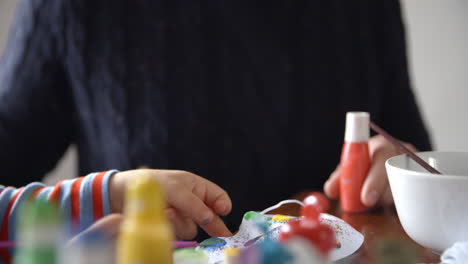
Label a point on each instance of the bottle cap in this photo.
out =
(357, 127)
(145, 200)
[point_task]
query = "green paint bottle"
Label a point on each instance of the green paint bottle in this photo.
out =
(38, 233)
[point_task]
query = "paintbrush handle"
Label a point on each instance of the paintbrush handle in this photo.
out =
(402, 147)
(184, 244)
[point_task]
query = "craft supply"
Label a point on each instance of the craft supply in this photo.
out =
(320, 236)
(278, 205)
(7, 244)
(309, 227)
(190, 256)
(39, 233)
(310, 215)
(319, 200)
(281, 218)
(402, 147)
(355, 161)
(252, 241)
(213, 244)
(184, 244)
(250, 255)
(91, 248)
(232, 256)
(350, 239)
(270, 251)
(255, 239)
(303, 252)
(145, 236)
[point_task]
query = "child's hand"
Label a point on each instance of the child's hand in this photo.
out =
(191, 200)
(109, 226)
(376, 189)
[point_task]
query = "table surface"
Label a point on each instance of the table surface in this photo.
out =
(376, 225)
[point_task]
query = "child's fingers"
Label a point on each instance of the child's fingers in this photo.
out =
(217, 228)
(184, 227)
(332, 185)
(214, 196)
(188, 204)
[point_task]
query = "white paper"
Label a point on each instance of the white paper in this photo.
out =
(456, 254)
(350, 239)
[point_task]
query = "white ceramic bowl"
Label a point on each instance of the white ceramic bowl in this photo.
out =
(433, 209)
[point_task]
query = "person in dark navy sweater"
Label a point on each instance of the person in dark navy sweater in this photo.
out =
(251, 95)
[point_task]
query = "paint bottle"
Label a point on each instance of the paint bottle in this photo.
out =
(250, 255)
(39, 233)
(232, 256)
(355, 161)
(145, 236)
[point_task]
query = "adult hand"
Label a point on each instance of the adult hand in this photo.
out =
(376, 190)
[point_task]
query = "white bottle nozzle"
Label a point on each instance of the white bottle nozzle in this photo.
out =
(357, 127)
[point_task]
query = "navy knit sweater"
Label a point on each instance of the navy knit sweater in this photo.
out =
(250, 94)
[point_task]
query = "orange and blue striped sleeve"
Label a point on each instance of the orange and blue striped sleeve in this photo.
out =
(82, 201)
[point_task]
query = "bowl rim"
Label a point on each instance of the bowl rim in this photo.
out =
(426, 174)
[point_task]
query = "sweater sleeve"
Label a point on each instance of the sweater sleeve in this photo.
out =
(35, 105)
(82, 201)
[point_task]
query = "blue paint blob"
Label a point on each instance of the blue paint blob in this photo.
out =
(212, 244)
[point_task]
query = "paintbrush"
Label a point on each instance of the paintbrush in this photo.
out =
(402, 147)
(175, 244)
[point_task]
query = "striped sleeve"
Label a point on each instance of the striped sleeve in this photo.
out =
(81, 201)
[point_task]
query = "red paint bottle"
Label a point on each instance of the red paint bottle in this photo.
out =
(355, 161)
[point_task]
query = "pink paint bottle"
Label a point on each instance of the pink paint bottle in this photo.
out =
(355, 161)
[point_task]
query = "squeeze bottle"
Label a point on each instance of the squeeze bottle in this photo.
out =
(145, 236)
(39, 233)
(355, 161)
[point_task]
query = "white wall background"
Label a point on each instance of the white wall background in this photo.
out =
(437, 34)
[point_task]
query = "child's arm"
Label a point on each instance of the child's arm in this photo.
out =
(84, 199)
(191, 200)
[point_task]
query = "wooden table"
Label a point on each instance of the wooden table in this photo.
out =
(375, 225)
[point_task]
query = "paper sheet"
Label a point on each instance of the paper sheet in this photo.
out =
(350, 239)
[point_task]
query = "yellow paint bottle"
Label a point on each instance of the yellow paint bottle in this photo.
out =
(232, 256)
(145, 236)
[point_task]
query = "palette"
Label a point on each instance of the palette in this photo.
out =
(249, 234)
